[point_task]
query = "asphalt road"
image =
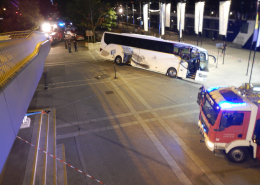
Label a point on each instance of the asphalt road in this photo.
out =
(140, 128)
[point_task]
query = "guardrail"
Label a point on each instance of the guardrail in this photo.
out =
(17, 51)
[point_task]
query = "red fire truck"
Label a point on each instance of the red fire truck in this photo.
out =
(229, 120)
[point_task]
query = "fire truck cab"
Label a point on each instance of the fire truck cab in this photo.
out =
(229, 120)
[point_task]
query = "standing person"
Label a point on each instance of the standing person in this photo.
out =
(224, 47)
(75, 46)
(69, 46)
(65, 41)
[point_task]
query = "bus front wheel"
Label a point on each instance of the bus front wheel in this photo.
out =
(118, 60)
(238, 155)
(172, 72)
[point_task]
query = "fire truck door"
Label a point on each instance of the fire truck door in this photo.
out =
(235, 126)
(256, 138)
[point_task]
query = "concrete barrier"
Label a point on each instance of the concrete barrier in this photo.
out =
(16, 96)
(93, 46)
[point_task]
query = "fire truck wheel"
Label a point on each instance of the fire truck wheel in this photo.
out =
(172, 72)
(118, 60)
(238, 155)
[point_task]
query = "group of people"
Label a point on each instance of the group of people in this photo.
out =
(68, 45)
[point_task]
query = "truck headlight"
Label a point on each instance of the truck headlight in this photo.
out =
(210, 145)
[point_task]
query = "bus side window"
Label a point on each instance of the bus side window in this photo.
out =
(156, 46)
(112, 39)
(167, 48)
(134, 42)
(125, 40)
(145, 44)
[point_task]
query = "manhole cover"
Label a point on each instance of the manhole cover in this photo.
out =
(109, 92)
(100, 77)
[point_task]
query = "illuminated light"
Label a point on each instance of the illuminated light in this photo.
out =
(174, 11)
(71, 23)
(228, 105)
(256, 89)
(46, 35)
(212, 12)
(230, 13)
(16, 12)
(120, 10)
(20, 14)
(172, 20)
(55, 26)
(204, 130)
(210, 144)
(214, 88)
(46, 27)
(4, 9)
(61, 24)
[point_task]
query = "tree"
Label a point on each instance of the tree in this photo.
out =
(109, 19)
(24, 16)
(89, 12)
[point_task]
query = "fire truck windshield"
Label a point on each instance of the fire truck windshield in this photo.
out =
(209, 112)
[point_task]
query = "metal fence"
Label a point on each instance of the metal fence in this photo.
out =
(15, 35)
(17, 51)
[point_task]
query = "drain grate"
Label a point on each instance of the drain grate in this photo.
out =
(109, 92)
(100, 77)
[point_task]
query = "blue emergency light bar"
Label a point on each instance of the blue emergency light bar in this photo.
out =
(228, 105)
(61, 24)
(214, 88)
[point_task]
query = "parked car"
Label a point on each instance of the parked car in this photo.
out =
(80, 36)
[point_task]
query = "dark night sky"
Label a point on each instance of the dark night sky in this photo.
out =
(242, 6)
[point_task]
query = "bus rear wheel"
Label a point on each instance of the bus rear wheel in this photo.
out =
(118, 60)
(238, 155)
(172, 72)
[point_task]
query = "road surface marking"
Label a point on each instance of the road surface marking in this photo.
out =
(36, 152)
(212, 177)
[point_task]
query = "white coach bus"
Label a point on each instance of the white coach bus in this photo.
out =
(154, 54)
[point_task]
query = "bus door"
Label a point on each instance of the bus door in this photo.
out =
(135, 58)
(256, 139)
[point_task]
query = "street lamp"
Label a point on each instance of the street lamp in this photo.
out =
(121, 11)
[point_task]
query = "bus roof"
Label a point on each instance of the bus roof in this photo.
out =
(157, 39)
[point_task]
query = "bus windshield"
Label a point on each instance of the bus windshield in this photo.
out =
(209, 112)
